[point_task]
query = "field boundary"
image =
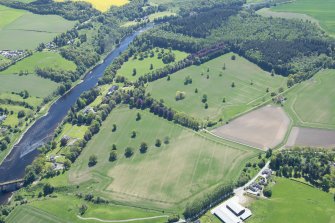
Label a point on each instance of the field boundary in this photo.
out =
(126, 220)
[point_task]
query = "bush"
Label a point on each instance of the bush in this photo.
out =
(158, 143)
(128, 152)
(112, 156)
(143, 147)
(180, 95)
(173, 218)
(93, 160)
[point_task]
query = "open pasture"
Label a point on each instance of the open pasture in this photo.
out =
(185, 164)
(263, 128)
(322, 10)
(51, 210)
(21, 29)
(294, 202)
(36, 86)
(311, 137)
(212, 80)
(312, 104)
(143, 66)
(42, 60)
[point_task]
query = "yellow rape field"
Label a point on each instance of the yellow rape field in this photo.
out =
(103, 5)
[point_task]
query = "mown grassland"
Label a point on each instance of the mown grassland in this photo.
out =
(212, 80)
(20, 29)
(311, 104)
(143, 66)
(294, 202)
(64, 209)
(163, 177)
(42, 60)
(322, 10)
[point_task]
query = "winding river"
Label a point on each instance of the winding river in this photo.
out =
(24, 152)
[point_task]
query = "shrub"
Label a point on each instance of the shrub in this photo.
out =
(112, 156)
(128, 152)
(180, 95)
(93, 160)
(267, 192)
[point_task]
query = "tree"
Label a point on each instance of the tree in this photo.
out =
(92, 160)
(158, 143)
(233, 84)
(180, 95)
(168, 78)
(134, 72)
(196, 90)
(82, 209)
(114, 128)
(224, 100)
(267, 192)
(268, 153)
(114, 147)
(173, 218)
(151, 67)
(67, 164)
(21, 114)
(204, 98)
(112, 156)
(133, 134)
(281, 90)
(138, 116)
(233, 57)
(167, 140)
(143, 147)
(206, 106)
(128, 152)
(48, 189)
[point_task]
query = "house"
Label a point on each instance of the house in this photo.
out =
(2, 118)
(231, 212)
(112, 89)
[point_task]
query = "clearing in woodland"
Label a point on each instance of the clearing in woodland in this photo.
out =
(184, 164)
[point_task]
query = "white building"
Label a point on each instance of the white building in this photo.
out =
(231, 212)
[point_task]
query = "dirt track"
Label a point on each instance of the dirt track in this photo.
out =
(311, 137)
(263, 128)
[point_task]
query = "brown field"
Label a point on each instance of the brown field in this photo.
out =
(263, 128)
(311, 137)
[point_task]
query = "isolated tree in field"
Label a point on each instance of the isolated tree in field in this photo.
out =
(133, 134)
(21, 114)
(82, 209)
(207, 76)
(233, 84)
(220, 74)
(151, 67)
(134, 72)
(204, 98)
(138, 116)
(224, 100)
(206, 106)
(180, 95)
(114, 147)
(251, 83)
(92, 160)
(168, 78)
(207, 69)
(224, 66)
(112, 156)
(158, 143)
(196, 90)
(114, 128)
(167, 140)
(233, 57)
(143, 147)
(267, 90)
(128, 152)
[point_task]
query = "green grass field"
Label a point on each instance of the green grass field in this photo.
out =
(294, 202)
(238, 99)
(42, 60)
(163, 177)
(311, 104)
(36, 86)
(20, 29)
(322, 10)
(143, 66)
(52, 210)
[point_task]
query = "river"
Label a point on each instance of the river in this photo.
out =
(25, 151)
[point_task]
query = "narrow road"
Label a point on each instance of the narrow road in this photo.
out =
(126, 220)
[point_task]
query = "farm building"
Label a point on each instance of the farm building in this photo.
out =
(231, 212)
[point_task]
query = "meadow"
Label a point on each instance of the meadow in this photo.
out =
(311, 103)
(309, 205)
(143, 66)
(322, 10)
(186, 163)
(20, 29)
(211, 79)
(51, 210)
(42, 59)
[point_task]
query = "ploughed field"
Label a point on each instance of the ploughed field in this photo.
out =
(231, 87)
(311, 137)
(21, 29)
(187, 165)
(263, 128)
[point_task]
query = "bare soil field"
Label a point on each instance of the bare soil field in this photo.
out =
(263, 128)
(311, 137)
